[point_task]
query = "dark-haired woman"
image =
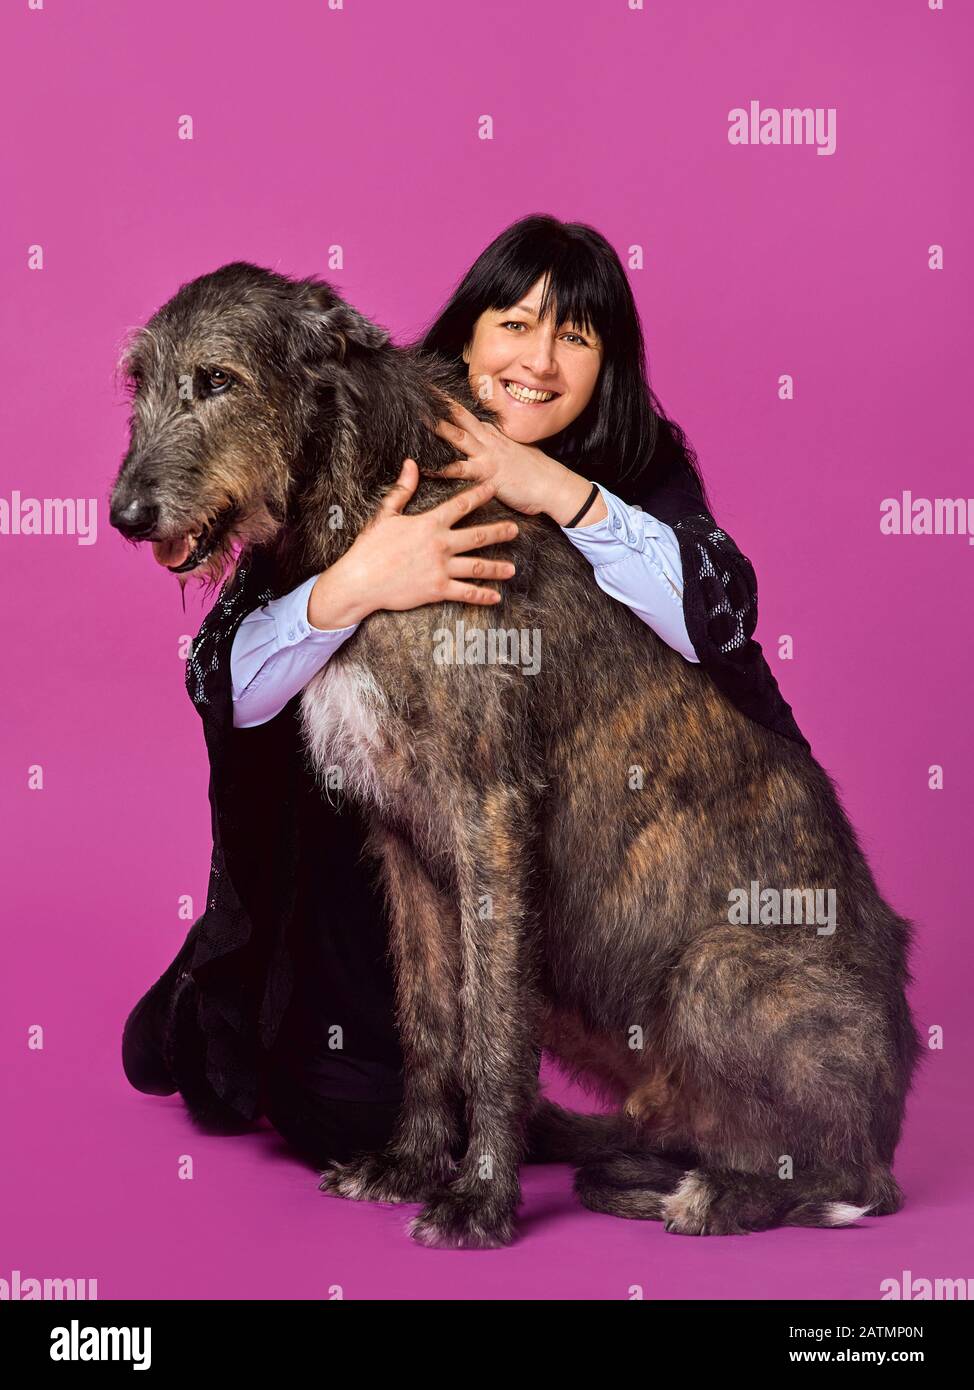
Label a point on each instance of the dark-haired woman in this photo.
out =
(281, 1000)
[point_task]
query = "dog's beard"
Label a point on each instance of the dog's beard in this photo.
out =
(213, 572)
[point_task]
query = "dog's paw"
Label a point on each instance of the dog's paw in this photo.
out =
(700, 1206)
(689, 1211)
(463, 1221)
(378, 1177)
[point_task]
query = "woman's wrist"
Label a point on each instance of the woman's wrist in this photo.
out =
(336, 600)
(566, 496)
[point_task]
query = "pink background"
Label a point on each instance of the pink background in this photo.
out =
(359, 127)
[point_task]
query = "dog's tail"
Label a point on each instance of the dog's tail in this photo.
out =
(556, 1135)
(712, 1201)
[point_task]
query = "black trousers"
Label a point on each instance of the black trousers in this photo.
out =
(319, 1126)
(326, 1104)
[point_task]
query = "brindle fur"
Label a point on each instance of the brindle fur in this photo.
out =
(535, 894)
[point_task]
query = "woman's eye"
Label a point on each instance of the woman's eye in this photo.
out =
(512, 323)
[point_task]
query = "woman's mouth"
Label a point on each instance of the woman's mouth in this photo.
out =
(529, 395)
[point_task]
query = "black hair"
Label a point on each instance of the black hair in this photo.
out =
(623, 433)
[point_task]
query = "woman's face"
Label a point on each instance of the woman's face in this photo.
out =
(538, 377)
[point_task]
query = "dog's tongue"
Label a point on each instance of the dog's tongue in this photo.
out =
(172, 552)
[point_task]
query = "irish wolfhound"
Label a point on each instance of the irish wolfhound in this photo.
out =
(582, 848)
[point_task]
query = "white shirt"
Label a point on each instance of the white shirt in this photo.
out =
(635, 559)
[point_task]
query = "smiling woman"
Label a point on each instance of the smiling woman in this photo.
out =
(538, 375)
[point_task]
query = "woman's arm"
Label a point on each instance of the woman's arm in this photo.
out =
(275, 652)
(635, 556)
(636, 560)
(395, 562)
(721, 593)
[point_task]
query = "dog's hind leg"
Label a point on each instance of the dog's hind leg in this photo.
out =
(713, 1201)
(710, 1201)
(798, 1079)
(691, 1198)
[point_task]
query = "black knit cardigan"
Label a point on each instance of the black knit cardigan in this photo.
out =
(240, 950)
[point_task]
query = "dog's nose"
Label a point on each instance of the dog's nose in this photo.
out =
(136, 519)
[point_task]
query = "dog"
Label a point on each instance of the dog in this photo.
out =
(558, 848)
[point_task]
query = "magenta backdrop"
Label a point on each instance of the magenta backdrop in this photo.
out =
(358, 127)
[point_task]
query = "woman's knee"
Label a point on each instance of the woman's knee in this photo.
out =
(324, 1130)
(143, 1043)
(145, 1035)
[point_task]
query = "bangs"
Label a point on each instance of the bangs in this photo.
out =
(574, 290)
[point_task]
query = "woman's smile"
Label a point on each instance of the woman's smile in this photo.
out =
(525, 394)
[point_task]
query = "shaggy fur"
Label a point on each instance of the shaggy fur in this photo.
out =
(557, 849)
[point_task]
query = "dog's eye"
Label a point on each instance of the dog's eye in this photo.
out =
(216, 381)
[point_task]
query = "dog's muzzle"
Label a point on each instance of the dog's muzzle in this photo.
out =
(194, 548)
(138, 521)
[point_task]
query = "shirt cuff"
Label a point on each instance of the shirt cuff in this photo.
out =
(278, 626)
(623, 529)
(290, 615)
(626, 529)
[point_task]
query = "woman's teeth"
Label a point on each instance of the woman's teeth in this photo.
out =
(524, 393)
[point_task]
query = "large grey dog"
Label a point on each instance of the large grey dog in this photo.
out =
(559, 846)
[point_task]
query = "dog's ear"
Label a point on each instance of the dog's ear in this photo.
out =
(332, 328)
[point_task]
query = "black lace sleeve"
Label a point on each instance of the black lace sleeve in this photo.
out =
(721, 597)
(720, 604)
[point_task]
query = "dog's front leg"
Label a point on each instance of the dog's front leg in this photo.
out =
(499, 1023)
(425, 943)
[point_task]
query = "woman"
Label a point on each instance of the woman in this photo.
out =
(281, 1000)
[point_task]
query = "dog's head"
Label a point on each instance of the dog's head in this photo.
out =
(226, 383)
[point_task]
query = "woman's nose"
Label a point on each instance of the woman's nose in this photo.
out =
(540, 359)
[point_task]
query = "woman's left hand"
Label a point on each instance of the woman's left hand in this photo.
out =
(524, 476)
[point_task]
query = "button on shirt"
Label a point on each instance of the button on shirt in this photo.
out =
(634, 557)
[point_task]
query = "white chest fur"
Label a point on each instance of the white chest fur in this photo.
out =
(343, 713)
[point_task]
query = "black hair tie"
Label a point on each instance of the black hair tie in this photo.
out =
(578, 515)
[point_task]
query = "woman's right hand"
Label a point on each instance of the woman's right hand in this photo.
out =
(401, 562)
